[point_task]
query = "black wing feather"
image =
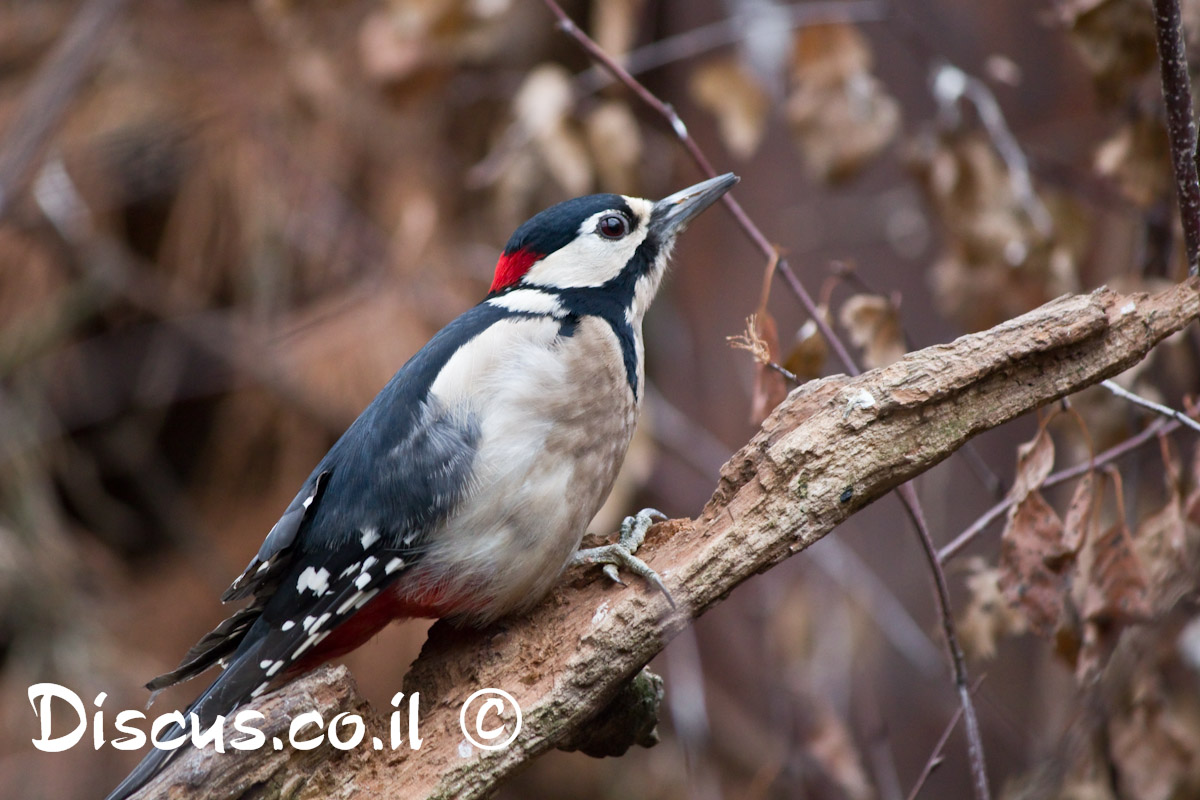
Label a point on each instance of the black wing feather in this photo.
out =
(399, 468)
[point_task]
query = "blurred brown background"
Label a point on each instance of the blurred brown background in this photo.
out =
(252, 213)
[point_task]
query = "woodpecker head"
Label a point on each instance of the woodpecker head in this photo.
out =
(601, 244)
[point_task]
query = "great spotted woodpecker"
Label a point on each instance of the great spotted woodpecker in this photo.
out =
(464, 488)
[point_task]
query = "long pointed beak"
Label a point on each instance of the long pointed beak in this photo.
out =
(672, 213)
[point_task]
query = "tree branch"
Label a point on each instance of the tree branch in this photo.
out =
(1181, 123)
(825, 453)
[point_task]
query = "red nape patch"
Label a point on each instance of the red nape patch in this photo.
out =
(511, 267)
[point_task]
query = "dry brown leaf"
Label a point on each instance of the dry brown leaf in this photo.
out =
(1035, 561)
(404, 36)
(1031, 543)
(1079, 516)
(1116, 589)
(874, 325)
(996, 264)
(615, 25)
(1113, 594)
(838, 111)
(806, 359)
(830, 744)
(615, 140)
(730, 91)
(1115, 39)
(388, 51)
(1162, 545)
(1155, 745)
(542, 106)
(762, 339)
(1191, 506)
(1138, 159)
(988, 615)
(1035, 459)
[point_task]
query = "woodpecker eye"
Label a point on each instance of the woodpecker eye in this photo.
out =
(613, 226)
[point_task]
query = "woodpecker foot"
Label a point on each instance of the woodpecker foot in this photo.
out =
(621, 553)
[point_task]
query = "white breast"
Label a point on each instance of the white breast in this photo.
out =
(556, 416)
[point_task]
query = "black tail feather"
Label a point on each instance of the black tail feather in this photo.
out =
(230, 690)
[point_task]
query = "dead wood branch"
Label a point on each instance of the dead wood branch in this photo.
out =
(831, 448)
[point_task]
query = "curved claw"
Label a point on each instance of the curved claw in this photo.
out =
(621, 553)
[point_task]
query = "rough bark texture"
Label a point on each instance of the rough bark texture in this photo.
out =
(831, 448)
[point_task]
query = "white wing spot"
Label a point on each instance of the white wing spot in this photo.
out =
(309, 642)
(393, 565)
(264, 664)
(362, 581)
(344, 607)
(262, 687)
(275, 667)
(352, 568)
(287, 626)
(321, 620)
(365, 598)
(370, 562)
(308, 621)
(369, 537)
(316, 580)
(308, 500)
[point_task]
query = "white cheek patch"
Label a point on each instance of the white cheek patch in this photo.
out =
(590, 259)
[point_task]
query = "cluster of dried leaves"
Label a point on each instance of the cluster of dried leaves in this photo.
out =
(1116, 604)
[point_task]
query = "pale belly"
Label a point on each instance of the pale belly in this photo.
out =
(554, 431)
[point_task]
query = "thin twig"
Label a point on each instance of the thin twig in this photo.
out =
(907, 494)
(951, 84)
(957, 659)
(1181, 124)
(568, 26)
(935, 758)
(728, 31)
(1157, 408)
(56, 84)
(1159, 427)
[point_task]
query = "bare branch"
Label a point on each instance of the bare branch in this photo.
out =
(936, 757)
(809, 468)
(1158, 428)
(1158, 408)
(1181, 122)
(958, 659)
